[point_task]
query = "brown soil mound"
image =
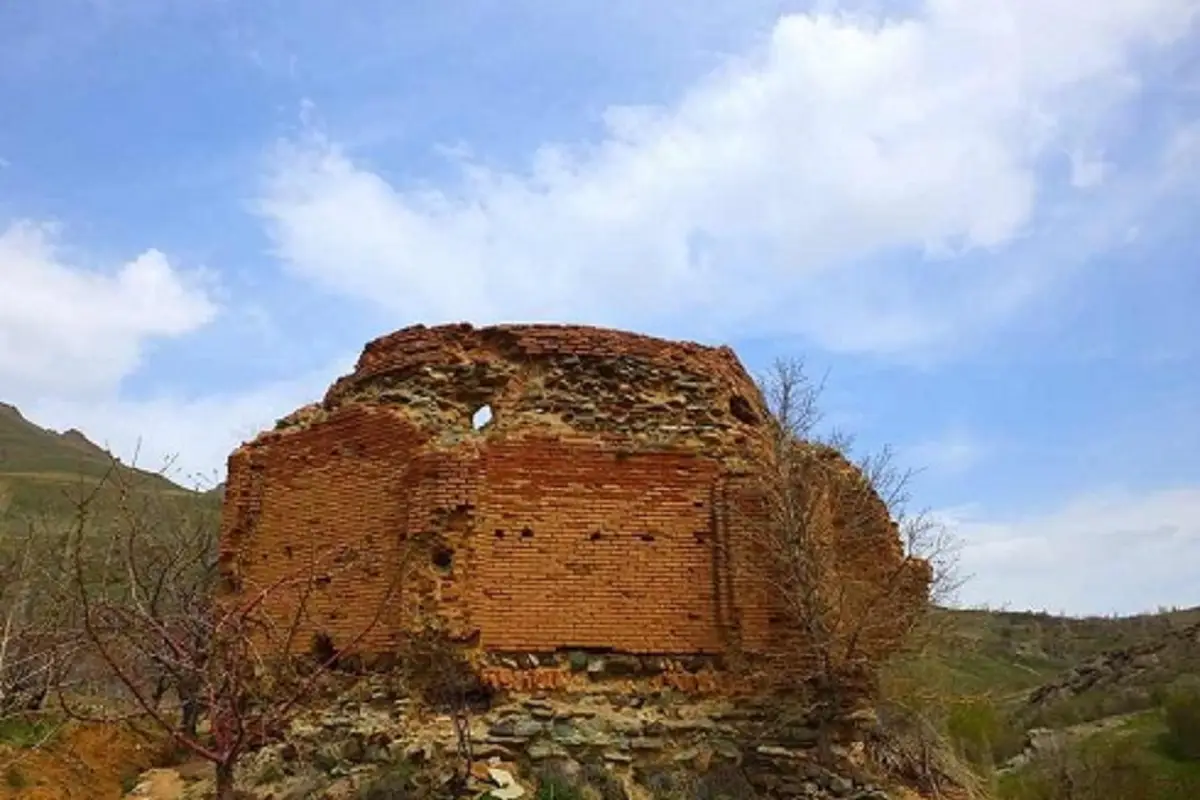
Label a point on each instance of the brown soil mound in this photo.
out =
(85, 762)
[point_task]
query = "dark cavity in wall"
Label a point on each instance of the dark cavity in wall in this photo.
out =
(740, 408)
(443, 558)
(322, 648)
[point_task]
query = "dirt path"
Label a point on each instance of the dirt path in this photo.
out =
(159, 784)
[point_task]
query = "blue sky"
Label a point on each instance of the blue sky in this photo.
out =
(978, 216)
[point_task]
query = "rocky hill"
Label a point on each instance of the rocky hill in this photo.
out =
(43, 471)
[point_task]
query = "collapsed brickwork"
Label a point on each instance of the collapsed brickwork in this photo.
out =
(602, 507)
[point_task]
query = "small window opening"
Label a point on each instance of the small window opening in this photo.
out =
(499, 533)
(323, 580)
(443, 558)
(740, 408)
(646, 537)
(526, 533)
(481, 417)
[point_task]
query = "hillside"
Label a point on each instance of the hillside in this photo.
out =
(1010, 652)
(1035, 699)
(44, 472)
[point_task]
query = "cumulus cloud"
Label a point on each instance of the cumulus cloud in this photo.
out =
(765, 190)
(189, 437)
(71, 331)
(1104, 552)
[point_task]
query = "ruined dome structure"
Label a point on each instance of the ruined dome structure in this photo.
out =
(552, 489)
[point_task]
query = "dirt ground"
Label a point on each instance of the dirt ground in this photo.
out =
(84, 762)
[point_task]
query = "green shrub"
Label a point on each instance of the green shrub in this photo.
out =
(22, 731)
(129, 782)
(15, 778)
(557, 788)
(973, 727)
(981, 733)
(396, 782)
(1119, 768)
(1181, 710)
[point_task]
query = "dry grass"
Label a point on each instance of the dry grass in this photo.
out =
(85, 762)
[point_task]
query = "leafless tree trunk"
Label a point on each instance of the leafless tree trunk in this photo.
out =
(852, 571)
(150, 617)
(36, 639)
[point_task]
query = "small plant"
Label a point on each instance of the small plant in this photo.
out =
(129, 782)
(26, 732)
(1182, 714)
(271, 773)
(394, 783)
(974, 727)
(15, 778)
(553, 787)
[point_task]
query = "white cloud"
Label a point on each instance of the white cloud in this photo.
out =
(844, 140)
(194, 435)
(1112, 551)
(72, 331)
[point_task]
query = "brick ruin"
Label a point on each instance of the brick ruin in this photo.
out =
(599, 510)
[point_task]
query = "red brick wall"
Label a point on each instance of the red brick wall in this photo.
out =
(577, 546)
(598, 510)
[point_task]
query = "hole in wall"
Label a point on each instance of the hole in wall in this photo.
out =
(526, 533)
(323, 580)
(322, 648)
(482, 417)
(499, 533)
(701, 536)
(741, 410)
(646, 537)
(443, 558)
(596, 536)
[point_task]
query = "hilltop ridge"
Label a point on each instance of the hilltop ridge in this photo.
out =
(41, 468)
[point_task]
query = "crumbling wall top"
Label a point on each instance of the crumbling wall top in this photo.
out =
(419, 346)
(569, 377)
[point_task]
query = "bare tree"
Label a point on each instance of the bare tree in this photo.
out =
(36, 638)
(852, 571)
(151, 618)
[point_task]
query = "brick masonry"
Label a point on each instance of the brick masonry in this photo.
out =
(599, 508)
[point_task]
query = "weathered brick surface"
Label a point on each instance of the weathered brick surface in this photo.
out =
(598, 509)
